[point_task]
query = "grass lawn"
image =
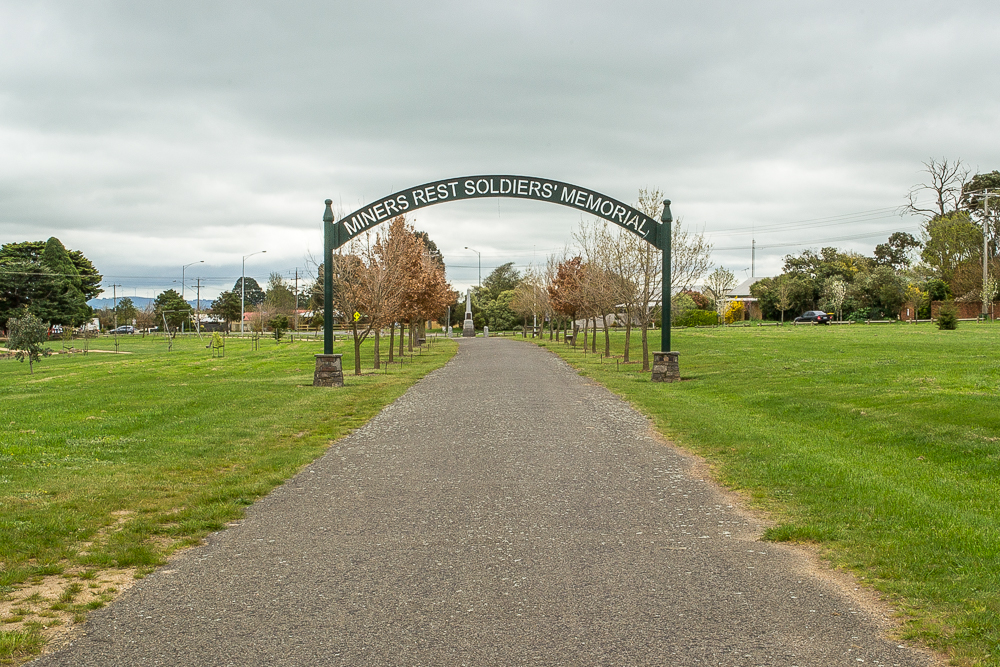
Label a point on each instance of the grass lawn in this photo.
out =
(109, 462)
(879, 443)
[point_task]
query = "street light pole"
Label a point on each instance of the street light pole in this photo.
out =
(243, 288)
(184, 268)
(480, 264)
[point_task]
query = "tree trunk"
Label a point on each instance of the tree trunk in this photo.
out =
(628, 334)
(378, 361)
(607, 336)
(357, 348)
(392, 339)
(593, 337)
(645, 346)
(402, 339)
(586, 323)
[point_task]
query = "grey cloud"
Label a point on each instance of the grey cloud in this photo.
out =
(203, 120)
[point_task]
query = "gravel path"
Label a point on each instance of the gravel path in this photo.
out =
(505, 511)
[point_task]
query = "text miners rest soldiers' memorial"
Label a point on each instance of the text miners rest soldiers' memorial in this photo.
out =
(519, 187)
(657, 234)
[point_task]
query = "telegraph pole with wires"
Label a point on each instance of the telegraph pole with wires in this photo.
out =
(986, 279)
(114, 309)
(197, 312)
(296, 298)
(986, 295)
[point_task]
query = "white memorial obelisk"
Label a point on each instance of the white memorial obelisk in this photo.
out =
(468, 328)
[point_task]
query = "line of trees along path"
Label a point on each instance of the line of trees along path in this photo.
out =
(384, 278)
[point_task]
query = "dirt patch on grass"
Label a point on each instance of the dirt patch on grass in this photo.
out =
(56, 605)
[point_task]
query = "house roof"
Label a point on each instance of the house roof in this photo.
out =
(743, 289)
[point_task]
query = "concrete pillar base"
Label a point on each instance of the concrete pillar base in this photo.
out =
(468, 329)
(665, 367)
(329, 371)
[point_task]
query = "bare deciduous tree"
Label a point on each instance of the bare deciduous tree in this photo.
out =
(604, 289)
(368, 283)
(690, 257)
(947, 183)
(531, 299)
(718, 284)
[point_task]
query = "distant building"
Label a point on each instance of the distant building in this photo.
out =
(741, 293)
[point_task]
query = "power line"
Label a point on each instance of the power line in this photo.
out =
(808, 223)
(850, 237)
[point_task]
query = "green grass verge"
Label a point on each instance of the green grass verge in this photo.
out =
(18, 645)
(115, 460)
(880, 443)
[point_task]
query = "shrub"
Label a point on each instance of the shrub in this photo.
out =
(701, 301)
(680, 306)
(25, 335)
(279, 325)
(698, 318)
(734, 312)
(948, 316)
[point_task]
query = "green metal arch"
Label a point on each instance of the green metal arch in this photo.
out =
(484, 186)
(338, 233)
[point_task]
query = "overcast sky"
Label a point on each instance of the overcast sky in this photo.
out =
(153, 135)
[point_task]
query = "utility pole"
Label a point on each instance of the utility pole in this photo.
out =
(243, 288)
(114, 307)
(197, 312)
(986, 222)
(753, 255)
(296, 298)
(986, 226)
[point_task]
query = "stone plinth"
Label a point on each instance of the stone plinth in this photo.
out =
(329, 371)
(665, 367)
(468, 329)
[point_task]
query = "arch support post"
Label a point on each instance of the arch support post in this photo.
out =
(665, 365)
(329, 372)
(328, 232)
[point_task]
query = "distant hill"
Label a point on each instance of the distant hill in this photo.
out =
(141, 302)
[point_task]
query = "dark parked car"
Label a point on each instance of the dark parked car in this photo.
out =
(817, 316)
